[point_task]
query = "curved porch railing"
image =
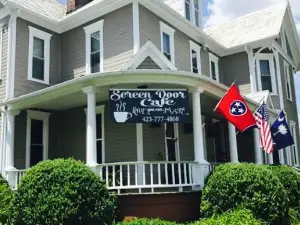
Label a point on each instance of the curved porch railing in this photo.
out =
(146, 175)
(141, 176)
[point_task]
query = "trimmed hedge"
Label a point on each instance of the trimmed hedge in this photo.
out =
(5, 200)
(62, 192)
(236, 217)
(143, 221)
(246, 186)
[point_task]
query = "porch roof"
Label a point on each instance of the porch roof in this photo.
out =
(112, 79)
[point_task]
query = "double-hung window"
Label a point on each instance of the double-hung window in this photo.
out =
(195, 58)
(94, 47)
(100, 134)
(214, 67)
(167, 41)
(37, 133)
(288, 81)
(266, 73)
(294, 148)
(39, 56)
(193, 11)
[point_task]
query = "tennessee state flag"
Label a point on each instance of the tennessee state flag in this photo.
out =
(234, 108)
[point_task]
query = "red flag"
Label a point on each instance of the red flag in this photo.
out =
(234, 108)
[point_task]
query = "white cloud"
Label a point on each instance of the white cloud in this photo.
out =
(223, 10)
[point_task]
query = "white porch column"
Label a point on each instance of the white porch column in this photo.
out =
(270, 159)
(281, 156)
(234, 158)
(197, 128)
(257, 149)
(91, 147)
(140, 152)
(10, 140)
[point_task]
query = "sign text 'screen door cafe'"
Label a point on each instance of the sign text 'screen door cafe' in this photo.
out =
(149, 106)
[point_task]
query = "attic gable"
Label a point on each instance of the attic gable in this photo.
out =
(262, 96)
(149, 57)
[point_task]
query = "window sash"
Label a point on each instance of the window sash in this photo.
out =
(288, 82)
(266, 73)
(188, 10)
(213, 70)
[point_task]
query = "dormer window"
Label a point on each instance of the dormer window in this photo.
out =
(193, 11)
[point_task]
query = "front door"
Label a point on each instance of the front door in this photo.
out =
(172, 151)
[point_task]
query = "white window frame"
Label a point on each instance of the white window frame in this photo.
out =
(37, 115)
(89, 30)
(197, 49)
(294, 154)
(270, 58)
(101, 110)
(287, 78)
(192, 12)
(46, 37)
(215, 59)
(164, 28)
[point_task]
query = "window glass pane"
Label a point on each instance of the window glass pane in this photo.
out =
(166, 43)
(213, 70)
(187, 11)
(194, 62)
(38, 48)
(196, 18)
(38, 68)
(99, 126)
(196, 4)
(36, 154)
(266, 83)
(95, 42)
(95, 62)
(99, 151)
(37, 132)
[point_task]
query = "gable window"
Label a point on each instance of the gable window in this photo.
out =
(214, 67)
(100, 134)
(167, 41)
(195, 58)
(288, 81)
(193, 11)
(266, 73)
(294, 148)
(94, 47)
(39, 56)
(37, 133)
(283, 40)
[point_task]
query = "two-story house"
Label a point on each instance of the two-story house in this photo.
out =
(58, 63)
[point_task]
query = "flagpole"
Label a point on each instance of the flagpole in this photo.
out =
(223, 96)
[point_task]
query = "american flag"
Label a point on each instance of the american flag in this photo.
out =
(262, 121)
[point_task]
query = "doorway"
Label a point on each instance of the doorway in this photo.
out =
(221, 142)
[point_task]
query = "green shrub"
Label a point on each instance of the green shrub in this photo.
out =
(290, 179)
(294, 216)
(5, 199)
(247, 186)
(146, 222)
(62, 192)
(236, 217)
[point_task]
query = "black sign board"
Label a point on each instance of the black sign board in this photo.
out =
(149, 106)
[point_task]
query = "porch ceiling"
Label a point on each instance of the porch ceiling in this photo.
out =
(69, 94)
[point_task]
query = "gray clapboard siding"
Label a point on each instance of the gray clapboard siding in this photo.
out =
(117, 41)
(235, 68)
(22, 84)
(186, 144)
(204, 62)
(154, 142)
(148, 63)
(4, 61)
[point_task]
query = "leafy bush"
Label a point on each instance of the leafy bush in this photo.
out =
(146, 222)
(290, 179)
(236, 217)
(62, 192)
(294, 217)
(5, 199)
(247, 186)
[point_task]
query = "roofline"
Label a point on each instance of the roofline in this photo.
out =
(188, 79)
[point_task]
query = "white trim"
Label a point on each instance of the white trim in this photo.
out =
(197, 49)
(279, 80)
(101, 110)
(37, 115)
(1, 49)
(215, 59)
(164, 28)
(46, 37)
(90, 29)
(149, 49)
(293, 128)
(283, 39)
(270, 58)
(287, 78)
(11, 54)
(136, 27)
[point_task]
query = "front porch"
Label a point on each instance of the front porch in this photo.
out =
(130, 158)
